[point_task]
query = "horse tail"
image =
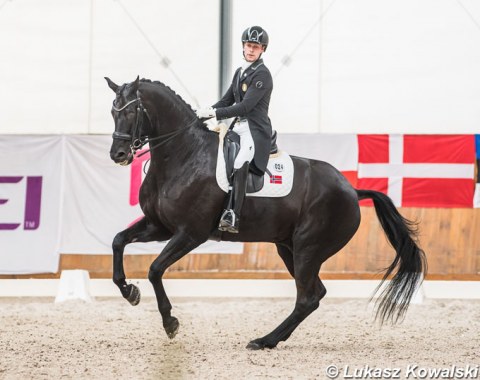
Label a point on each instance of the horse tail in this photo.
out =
(410, 261)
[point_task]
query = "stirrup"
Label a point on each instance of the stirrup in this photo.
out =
(228, 222)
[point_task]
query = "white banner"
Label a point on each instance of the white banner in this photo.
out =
(30, 199)
(101, 199)
(339, 150)
(70, 181)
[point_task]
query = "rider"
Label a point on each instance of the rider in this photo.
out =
(247, 99)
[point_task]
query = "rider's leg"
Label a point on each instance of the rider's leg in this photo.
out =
(231, 215)
(230, 219)
(247, 146)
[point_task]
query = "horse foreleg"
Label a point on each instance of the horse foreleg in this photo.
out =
(310, 291)
(177, 247)
(141, 231)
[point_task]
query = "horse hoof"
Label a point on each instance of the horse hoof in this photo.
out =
(134, 295)
(255, 346)
(172, 327)
(260, 344)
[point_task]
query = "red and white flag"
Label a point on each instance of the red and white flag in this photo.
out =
(419, 170)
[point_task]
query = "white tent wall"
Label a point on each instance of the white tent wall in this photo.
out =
(295, 104)
(407, 66)
(43, 66)
(371, 66)
(356, 66)
(55, 53)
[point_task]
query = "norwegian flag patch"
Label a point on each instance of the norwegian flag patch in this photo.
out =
(276, 179)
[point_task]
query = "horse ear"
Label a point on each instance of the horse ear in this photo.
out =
(112, 85)
(135, 83)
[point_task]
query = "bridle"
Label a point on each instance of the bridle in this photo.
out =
(137, 140)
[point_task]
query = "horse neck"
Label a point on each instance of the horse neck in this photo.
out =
(168, 113)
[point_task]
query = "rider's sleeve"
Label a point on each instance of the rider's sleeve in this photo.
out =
(260, 84)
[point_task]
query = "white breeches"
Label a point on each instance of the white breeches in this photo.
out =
(247, 147)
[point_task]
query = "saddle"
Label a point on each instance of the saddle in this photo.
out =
(231, 147)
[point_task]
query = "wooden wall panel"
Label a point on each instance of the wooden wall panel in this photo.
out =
(450, 238)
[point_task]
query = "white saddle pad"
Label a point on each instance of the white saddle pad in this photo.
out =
(280, 165)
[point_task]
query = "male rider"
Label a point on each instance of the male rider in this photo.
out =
(247, 99)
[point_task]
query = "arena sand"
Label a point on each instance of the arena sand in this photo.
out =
(109, 339)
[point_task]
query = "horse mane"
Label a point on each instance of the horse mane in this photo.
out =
(177, 96)
(169, 89)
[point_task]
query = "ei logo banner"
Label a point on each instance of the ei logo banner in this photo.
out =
(20, 204)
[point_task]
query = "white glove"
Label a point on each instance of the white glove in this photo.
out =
(205, 113)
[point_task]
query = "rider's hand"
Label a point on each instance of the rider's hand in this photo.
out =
(205, 113)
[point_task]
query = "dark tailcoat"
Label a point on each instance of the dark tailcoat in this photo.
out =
(248, 97)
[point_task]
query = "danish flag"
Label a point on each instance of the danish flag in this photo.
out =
(419, 170)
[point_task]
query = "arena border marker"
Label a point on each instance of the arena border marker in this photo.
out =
(74, 285)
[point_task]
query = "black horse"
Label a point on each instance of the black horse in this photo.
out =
(182, 202)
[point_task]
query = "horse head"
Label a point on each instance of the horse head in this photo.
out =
(128, 115)
(169, 118)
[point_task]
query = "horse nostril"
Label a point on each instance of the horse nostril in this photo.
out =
(119, 155)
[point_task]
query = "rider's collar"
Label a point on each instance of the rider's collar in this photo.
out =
(245, 66)
(257, 63)
(252, 65)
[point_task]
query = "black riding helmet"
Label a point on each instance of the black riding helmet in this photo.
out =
(257, 35)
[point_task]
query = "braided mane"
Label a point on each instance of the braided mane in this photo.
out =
(163, 86)
(158, 83)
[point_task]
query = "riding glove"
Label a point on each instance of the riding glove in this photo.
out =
(206, 113)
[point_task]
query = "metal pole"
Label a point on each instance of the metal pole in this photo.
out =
(90, 70)
(225, 45)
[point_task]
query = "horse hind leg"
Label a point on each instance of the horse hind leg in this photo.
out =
(285, 251)
(286, 254)
(310, 290)
(141, 231)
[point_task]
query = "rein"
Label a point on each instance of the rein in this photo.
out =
(167, 137)
(136, 139)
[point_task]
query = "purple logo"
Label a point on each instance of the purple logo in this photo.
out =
(33, 199)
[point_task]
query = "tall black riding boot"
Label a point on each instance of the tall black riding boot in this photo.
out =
(230, 220)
